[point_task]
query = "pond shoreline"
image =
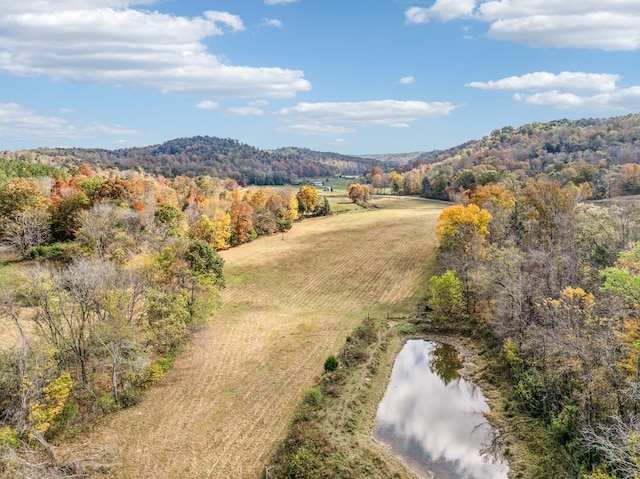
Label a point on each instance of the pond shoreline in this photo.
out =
(433, 417)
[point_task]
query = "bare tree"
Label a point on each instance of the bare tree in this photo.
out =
(619, 442)
(27, 229)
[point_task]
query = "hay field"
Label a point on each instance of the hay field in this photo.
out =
(222, 409)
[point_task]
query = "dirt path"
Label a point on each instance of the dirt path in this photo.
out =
(288, 304)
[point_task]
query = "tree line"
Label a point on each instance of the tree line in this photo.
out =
(600, 157)
(553, 283)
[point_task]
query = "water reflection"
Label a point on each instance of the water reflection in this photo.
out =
(432, 417)
(445, 362)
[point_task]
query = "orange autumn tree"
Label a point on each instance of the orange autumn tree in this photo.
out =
(241, 222)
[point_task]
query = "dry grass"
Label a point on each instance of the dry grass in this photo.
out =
(227, 403)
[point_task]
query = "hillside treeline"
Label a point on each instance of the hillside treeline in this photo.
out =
(554, 285)
(211, 156)
(600, 156)
(126, 268)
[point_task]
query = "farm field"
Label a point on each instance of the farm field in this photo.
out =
(227, 403)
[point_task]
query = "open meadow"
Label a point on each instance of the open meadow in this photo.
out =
(289, 303)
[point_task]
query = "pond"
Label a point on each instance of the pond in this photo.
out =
(433, 419)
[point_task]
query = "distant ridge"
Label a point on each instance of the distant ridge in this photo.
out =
(221, 157)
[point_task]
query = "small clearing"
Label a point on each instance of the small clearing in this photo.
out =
(289, 303)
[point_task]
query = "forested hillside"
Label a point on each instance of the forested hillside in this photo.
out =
(600, 156)
(204, 155)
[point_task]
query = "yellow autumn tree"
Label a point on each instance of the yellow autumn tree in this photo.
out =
(216, 231)
(396, 181)
(308, 198)
(460, 226)
(44, 412)
(493, 191)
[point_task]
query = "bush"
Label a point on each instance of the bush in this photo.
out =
(9, 437)
(313, 396)
(48, 251)
(106, 403)
(130, 397)
(69, 412)
(149, 375)
(331, 364)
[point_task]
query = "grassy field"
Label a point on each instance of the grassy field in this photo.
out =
(289, 303)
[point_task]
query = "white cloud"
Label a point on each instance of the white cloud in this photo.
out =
(207, 105)
(623, 100)
(245, 111)
(569, 90)
(18, 122)
(338, 142)
(611, 25)
(380, 112)
(315, 129)
(407, 80)
(278, 2)
(444, 10)
(564, 81)
(343, 117)
(272, 22)
(106, 41)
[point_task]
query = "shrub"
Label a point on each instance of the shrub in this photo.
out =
(130, 397)
(106, 403)
(313, 396)
(9, 437)
(48, 251)
(149, 375)
(331, 364)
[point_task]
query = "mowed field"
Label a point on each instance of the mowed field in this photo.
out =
(228, 401)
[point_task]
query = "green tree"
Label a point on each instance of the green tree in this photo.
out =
(172, 217)
(445, 301)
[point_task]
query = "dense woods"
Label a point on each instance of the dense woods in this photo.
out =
(211, 156)
(552, 284)
(600, 157)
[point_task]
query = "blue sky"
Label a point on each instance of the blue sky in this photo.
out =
(354, 77)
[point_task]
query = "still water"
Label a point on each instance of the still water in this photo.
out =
(432, 418)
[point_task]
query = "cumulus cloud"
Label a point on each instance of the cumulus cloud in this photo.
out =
(107, 41)
(315, 129)
(623, 100)
(565, 81)
(18, 122)
(569, 90)
(343, 117)
(207, 105)
(407, 80)
(444, 10)
(271, 22)
(593, 24)
(245, 111)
